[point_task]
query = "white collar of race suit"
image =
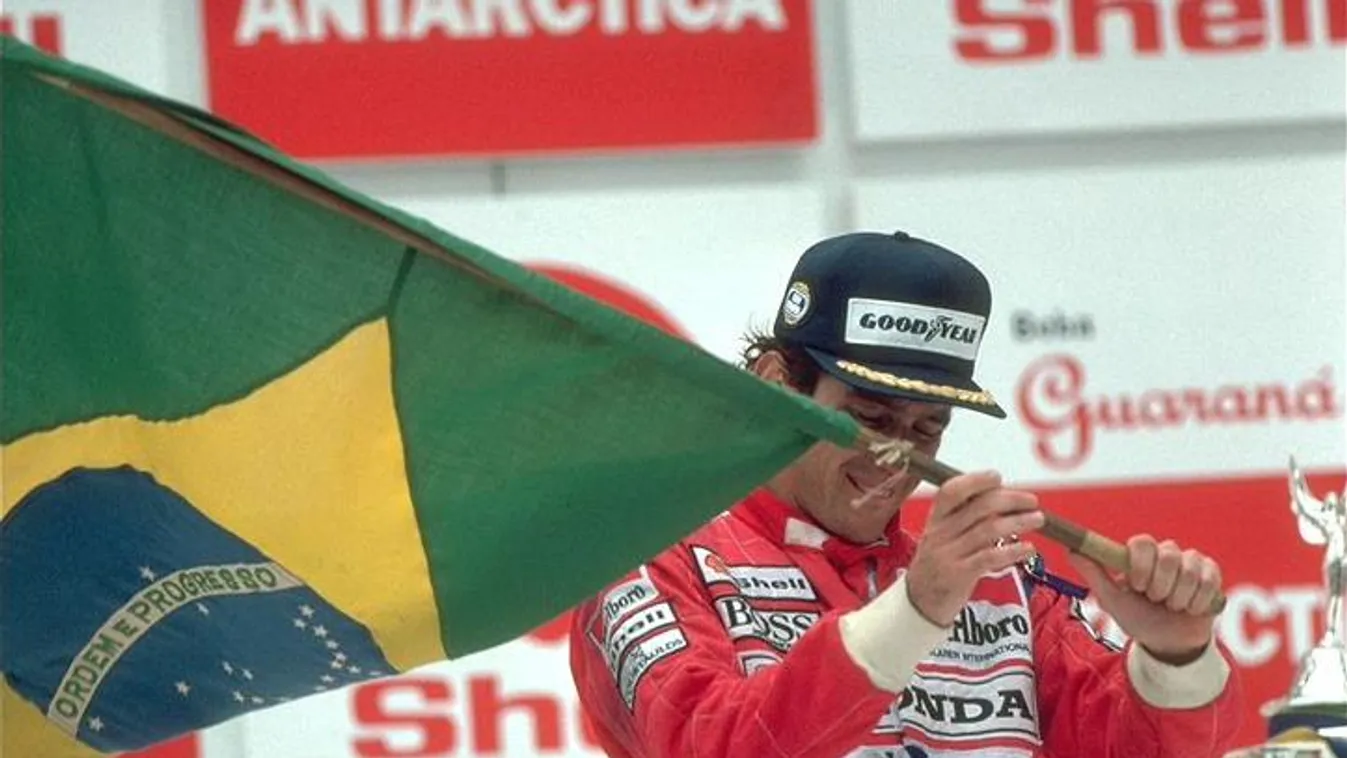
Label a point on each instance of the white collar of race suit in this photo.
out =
(804, 534)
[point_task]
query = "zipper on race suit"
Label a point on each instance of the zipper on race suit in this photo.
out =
(871, 578)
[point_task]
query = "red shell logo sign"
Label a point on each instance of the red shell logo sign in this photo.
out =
(630, 302)
(672, 73)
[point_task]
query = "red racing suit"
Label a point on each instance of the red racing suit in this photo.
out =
(730, 644)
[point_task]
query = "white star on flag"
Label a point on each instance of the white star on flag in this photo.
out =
(354, 669)
(307, 611)
(96, 724)
(320, 631)
(318, 688)
(299, 624)
(183, 688)
(339, 657)
(239, 696)
(229, 669)
(204, 610)
(336, 664)
(328, 679)
(247, 675)
(257, 700)
(147, 573)
(332, 645)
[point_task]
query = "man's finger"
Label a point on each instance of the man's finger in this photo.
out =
(1209, 584)
(1185, 586)
(989, 531)
(990, 506)
(959, 490)
(999, 557)
(1141, 552)
(1168, 561)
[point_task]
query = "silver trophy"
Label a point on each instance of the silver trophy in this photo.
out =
(1312, 717)
(1321, 681)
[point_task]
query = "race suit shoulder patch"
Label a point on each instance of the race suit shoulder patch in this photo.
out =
(634, 627)
(764, 582)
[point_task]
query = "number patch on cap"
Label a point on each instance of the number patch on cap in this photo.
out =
(796, 305)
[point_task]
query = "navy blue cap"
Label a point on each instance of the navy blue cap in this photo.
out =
(891, 314)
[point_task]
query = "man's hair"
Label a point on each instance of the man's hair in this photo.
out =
(802, 371)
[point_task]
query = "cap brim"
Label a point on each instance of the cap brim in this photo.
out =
(911, 382)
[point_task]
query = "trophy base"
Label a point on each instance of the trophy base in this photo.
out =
(1316, 705)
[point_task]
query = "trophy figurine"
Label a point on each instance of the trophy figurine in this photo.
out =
(1318, 696)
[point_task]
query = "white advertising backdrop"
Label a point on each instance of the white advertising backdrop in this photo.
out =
(1181, 276)
(716, 259)
(1197, 283)
(514, 701)
(126, 39)
(937, 70)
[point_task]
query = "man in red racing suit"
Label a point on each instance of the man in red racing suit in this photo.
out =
(805, 622)
(730, 645)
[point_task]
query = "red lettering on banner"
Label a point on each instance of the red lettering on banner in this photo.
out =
(292, 22)
(1198, 26)
(41, 30)
(453, 77)
(1261, 624)
(436, 733)
(1036, 33)
(1087, 24)
(1065, 422)
(1208, 27)
(438, 727)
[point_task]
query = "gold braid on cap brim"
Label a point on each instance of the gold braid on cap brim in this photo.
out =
(916, 385)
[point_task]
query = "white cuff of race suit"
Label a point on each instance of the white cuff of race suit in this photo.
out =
(1191, 685)
(888, 637)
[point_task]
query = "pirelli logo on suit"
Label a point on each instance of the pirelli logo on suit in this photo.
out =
(640, 623)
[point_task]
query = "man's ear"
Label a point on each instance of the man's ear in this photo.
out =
(772, 367)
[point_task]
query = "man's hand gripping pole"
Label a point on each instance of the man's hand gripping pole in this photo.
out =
(903, 456)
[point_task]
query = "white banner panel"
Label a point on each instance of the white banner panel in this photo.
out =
(514, 701)
(125, 38)
(1147, 321)
(716, 261)
(958, 68)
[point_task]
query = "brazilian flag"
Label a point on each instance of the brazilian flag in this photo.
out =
(264, 437)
